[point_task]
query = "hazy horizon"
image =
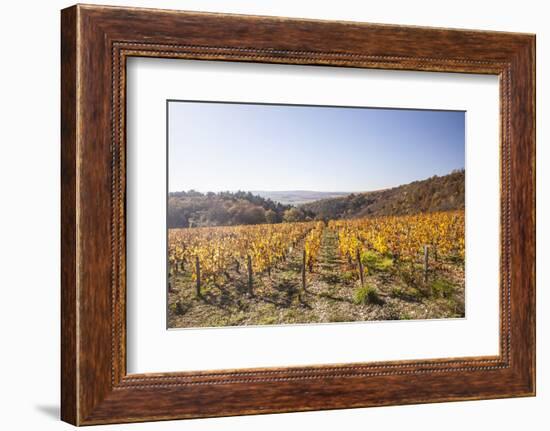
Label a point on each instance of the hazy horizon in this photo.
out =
(303, 190)
(215, 147)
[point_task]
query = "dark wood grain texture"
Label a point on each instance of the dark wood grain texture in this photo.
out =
(68, 218)
(96, 41)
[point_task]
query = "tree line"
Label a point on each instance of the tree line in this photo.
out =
(195, 209)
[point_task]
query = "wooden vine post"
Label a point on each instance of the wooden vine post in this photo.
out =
(304, 270)
(360, 264)
(171, 275)
(249, 267)
(198, 274)
(426, 264)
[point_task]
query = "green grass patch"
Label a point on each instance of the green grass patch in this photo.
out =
(407, 293)
(442, 288)
(366, 295)
(376, 262)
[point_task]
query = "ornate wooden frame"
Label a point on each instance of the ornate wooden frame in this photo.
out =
(96, 41)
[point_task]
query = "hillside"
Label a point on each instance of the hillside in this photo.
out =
(432, 194)
(193, 209)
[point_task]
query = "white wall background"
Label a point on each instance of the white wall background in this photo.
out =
(29, 224)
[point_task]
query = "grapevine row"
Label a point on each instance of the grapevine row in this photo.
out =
(213, 251)
(209, 253)
(403, 237)
(312, 245)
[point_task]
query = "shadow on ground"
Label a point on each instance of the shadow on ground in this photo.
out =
(52, 411)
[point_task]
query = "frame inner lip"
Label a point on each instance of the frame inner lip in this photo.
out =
(127, 49)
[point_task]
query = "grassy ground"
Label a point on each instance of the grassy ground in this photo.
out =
(334, 293)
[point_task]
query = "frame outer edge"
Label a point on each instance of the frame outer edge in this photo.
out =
(523, 216)
(69, 202)
(87, 397)
(533, 54)
(529, 62)
(532, 82)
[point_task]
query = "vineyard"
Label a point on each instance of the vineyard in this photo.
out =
(379, 268)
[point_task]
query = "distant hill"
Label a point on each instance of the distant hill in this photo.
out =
(192, 209)
(433, 194)
(297, 197)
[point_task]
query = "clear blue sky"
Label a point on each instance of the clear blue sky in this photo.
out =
(217, 146)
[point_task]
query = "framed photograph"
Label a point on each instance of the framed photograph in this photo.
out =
(266, 236)
(266, 215)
